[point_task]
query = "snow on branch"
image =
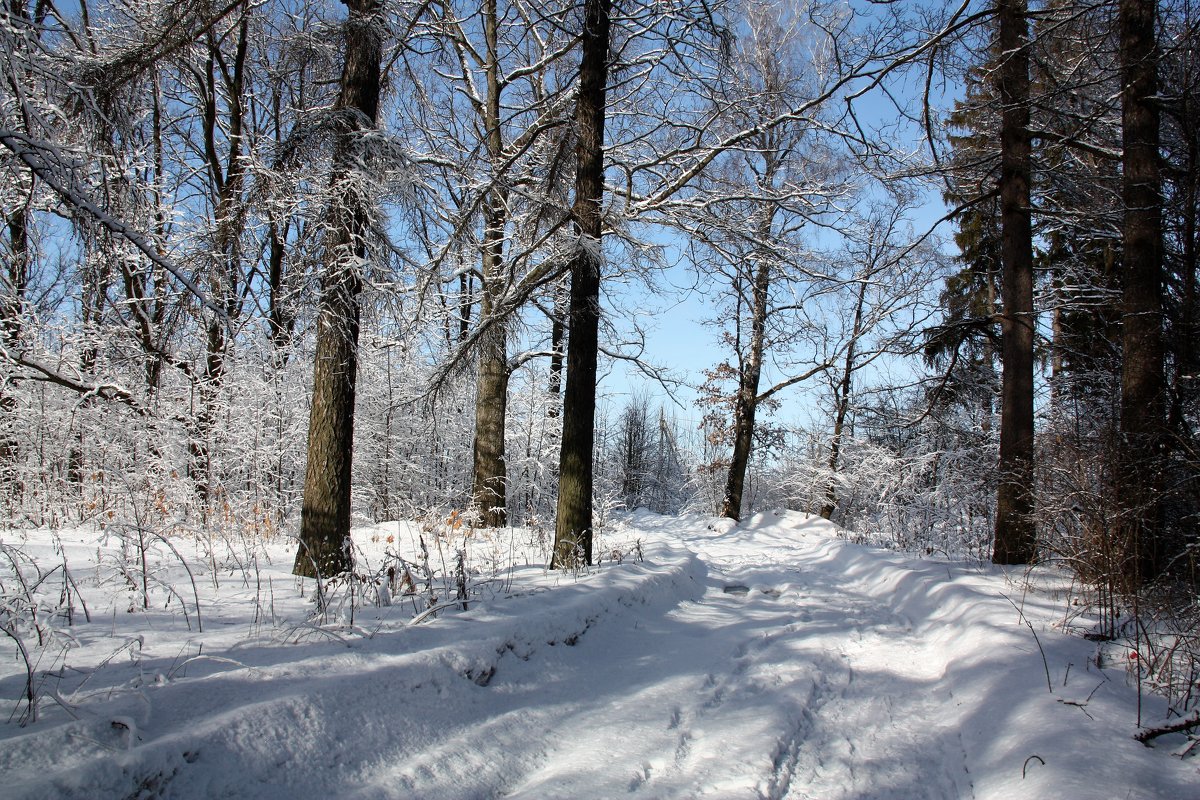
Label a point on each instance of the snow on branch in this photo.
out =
(1185, 725)
(105, 391)
(45, 161)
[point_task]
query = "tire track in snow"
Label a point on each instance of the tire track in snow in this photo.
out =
(830, 672)
(839, 738)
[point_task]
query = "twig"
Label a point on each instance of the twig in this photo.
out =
(30, 691)
(419, 618)
(216, 659)
(1028, 624)
(191, 577)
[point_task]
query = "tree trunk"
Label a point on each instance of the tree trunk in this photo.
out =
(558, 337)
(12, 303)
(1016, 535)
(325, 515)
(573, 524)
(745, 402)
(843, 404)
(1142, 384)
(281, 319)
(93, 296)
(225, 268)
(489, 491)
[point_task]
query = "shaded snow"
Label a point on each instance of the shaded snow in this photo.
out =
(767, 660)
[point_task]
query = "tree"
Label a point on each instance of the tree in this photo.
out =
(1016, 534)
(226, 174)
(489, 86)
(769, 189)
(325, 516)
(634, 440)
(1179, 75)
(573, 521)
(1143, 396)
(19, 188)
(881, 307)
(489, 490)
(1077, 188)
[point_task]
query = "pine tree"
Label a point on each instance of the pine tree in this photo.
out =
(1143, 396)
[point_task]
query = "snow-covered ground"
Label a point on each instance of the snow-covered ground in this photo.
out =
(767, 660)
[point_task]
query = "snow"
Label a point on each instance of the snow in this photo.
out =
(772, 659)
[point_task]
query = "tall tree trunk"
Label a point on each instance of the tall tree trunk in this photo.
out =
(12, 302)
(225, 267)
(573, 523)
(1142, 384)
(325, 514)
(489, 491)
(1016, 534)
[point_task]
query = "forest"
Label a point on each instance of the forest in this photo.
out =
(279, 269)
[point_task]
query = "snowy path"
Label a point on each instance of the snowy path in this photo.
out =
(766, 686)
(768, 661)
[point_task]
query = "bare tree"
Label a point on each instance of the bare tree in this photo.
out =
(491, 118)
(222, 78)
(883, 305)
(325, 516)
(769, 190)
(573, 522)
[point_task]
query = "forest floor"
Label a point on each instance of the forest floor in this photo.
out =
(771, 659)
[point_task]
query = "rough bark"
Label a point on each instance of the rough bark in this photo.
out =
(1142, 381)
(325, 514)
(573, 523)
(490, 476)
(490, 494)
(1016, 535)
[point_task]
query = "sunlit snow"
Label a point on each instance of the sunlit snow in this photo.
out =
(771, 659)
